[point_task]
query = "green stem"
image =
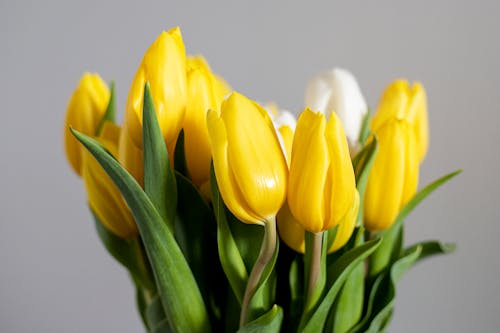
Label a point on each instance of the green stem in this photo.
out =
(267, 250)
(314, 268)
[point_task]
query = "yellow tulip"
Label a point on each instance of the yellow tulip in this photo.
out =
(104, 198)
(400, 101)
(85, 110)
(321, 186)
(164, 67)
(394, 176)
(249, 164)
(293, 234)
(204, 92)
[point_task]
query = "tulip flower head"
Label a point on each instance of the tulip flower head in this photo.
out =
(400, 125)
(205, 92)
(164, 67)
(104, 197)
(338, 91)
(85, 110)
(250, 167)
(321, 186)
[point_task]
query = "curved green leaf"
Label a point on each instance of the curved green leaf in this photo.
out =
(180, 156)
(348, 307)
(229, 255)
(386, 296)
(339, 271)
(109, 114)
(269, 322)
(362, 165)
(421, 195)
(179, 293)
(159, 177)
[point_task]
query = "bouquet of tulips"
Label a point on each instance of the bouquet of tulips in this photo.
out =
(232, 216)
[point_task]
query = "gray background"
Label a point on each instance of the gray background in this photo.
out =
(55, 276)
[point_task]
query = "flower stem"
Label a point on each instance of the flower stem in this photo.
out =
(314, 268)
(267, 250)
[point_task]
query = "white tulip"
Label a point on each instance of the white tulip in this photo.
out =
(338, 91)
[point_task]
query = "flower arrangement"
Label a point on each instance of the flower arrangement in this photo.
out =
(230, 216)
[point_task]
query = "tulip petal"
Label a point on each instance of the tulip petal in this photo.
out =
(386, 181)
(232, 198)
(164, 67)
(393, 104)
(86, 108)
(196, 142)
(340, 184)
(254, 156)
(308, 171)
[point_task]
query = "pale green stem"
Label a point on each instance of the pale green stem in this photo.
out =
(315, 267)
(267, 250)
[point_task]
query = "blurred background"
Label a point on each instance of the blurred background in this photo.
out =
(55, 275)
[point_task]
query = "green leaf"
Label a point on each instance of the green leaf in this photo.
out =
(421, 195)
(387, 294)
(179, 293)
(339, 271)
(155, 315)
(141, 301)
(365, 128)
(431, 248)
(348, 307)
(195, 230)
(127, 252)
(371, 300)
(362, 164)
(180, 156)
(269, 322)
(159, 177)
(229, 255)
(109, 115)
(389, 250)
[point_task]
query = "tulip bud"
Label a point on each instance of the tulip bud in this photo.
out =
(321, 186)
(204, 92)
(338, 91)
(400, 125)
(394, 176)
(400, 101)
(86, 108)
(164, 67)
(104, 197)
(249, 165)
(293, 234)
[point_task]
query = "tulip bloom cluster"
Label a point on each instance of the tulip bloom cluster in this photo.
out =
(233, 216)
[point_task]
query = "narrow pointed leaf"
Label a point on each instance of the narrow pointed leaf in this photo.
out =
(348, 307)
(159, 177)
(229, 255)
(180, 156)
(270, 322)
(109, 114)
(179, 293)
(386, 298)
(365, 128)
(339, 270)
(362, 165)
(421, 195)
(154, 312)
